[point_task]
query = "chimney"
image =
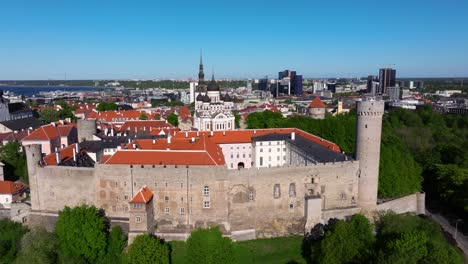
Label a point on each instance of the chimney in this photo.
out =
(129, 140)
(74, 156)
(169, 139)
(154, 141)
(211, 133)
(186, 134)
(105, 131)
(255, 132)
(193, 139)
(224, 133)
(293, 135)
(134, 146)
(112, 132)
(57, 157)
(198, 133)
(144, 128)
(77, 148)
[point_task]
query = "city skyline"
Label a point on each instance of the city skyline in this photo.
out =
(108, 40)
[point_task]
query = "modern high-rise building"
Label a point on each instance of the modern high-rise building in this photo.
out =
(387, 78)
(290, 83)
(331, 86)
(372, 84)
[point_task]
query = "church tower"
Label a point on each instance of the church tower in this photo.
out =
(201, 74)
(368, 135)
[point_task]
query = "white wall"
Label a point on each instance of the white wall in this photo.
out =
(270, 154)
(5, 200)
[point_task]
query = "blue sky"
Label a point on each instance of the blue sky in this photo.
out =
(245, 39)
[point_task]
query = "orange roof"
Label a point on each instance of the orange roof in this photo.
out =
(144, 195)
(9, 187)
(316, 103)
(46, 132)
(65, 154)
(145, 125)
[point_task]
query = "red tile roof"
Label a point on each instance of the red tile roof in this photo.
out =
(316, 103)
(9, 187)
(144, 195)
(147, 125)
(65, 154)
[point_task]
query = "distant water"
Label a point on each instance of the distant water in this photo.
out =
(34, 90)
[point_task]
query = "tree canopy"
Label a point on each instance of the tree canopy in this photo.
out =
(14, 159)
(106, 106)
(148, 249)
(38, 246)
(81, 232)
(10, 238)
(173, 119)
(210, 247)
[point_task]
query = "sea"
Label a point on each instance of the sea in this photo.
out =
(29, 91)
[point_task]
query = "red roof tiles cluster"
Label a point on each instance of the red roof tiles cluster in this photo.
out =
(51, 131)
(9, 187)
(65, 154)
(316, 103)
(144, 195)
(179, 151)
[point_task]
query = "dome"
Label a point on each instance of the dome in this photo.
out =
(206, 99)
(213, 85)
(199, 97)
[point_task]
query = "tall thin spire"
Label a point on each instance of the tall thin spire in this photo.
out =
(201, 74)
(212, 74)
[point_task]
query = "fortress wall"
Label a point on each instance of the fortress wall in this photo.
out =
(400, 205)
(110, 187)
(57, 186)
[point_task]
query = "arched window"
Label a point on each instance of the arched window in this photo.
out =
(206, 190)
(292, 190)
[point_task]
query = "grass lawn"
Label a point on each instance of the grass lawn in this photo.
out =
(270, 250)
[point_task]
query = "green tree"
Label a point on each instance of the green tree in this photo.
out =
(173, 119)
(10, 238)
(157, 117)
(81, 232)
(210, 247)
(38, 246)
(147, 249)
(49, 115)
(237, 119)
(348, 242)
(106, 106)
(408, 238)
(115, 245)
(143, 116)
(15, 162)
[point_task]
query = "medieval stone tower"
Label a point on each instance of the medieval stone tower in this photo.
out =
(33, 157)
(368, 134)
(86, 129)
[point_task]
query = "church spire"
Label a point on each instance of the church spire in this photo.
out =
(201, 74)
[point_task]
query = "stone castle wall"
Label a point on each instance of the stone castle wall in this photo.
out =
(239, 199)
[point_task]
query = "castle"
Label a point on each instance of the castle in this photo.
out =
(250, 183)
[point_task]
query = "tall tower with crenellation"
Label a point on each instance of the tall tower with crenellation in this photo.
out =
(368, 136)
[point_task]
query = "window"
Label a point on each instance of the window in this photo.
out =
(125, 197)
(322, 189)
(138, 219)
(237, 155)
(134, 183)
(117, 197)
(261, 161)
(166, 199)
(261, 150)
(269, 150)
(206, 204)
(167, 210)
(292, 190)
(243, 155)
(155, 184)
(291, 206)
(232, 156)
(278, 149)
(182, 210)
(284, 149)
(166, 184)
(116, 184)
(125, 183)
(269, 143)
(251, 196)
(181, 185)
(137, 205)
(276, 191)
(269, 158)
(278, 158)
(232, 165)
(206, 191)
